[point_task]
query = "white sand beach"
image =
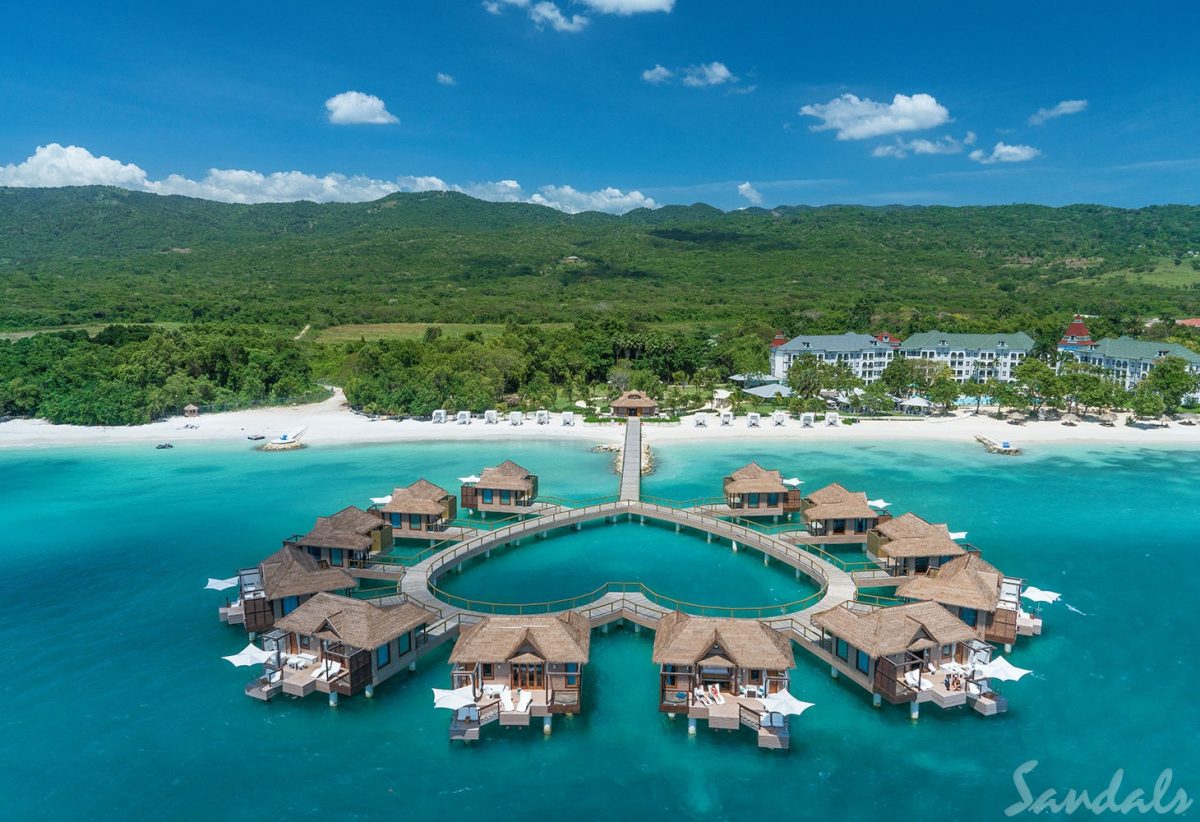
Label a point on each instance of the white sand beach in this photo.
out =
(333, 423)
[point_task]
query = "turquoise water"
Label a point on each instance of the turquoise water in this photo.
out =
(117, 705)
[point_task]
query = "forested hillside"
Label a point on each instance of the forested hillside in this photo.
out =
(98, 255)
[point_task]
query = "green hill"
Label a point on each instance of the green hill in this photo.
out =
(93, 255)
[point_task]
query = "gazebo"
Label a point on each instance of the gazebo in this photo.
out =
(191, 410)
(634, 404)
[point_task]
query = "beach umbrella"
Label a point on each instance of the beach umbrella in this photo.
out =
(1001, 669)
(455, 699)
(793, 481)
(382, 500)
(220, 584)
(1038, 595)
(250, 655)
(468, 480)
(878, 503)
(783, 702)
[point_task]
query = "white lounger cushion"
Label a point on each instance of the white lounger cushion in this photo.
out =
(526, 698)
(506, 699)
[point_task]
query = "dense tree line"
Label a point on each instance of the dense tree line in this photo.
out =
(134, 374)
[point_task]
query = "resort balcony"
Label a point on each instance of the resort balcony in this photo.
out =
(734, 712)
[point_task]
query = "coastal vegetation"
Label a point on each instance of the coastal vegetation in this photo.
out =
(424, 301)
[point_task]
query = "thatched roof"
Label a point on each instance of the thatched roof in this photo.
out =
(682, 639)
(422, 497)
(835, 502)
(507, 476)
(191, 407)
(886, 631)
(1070, 419)
(966, 581)
(634, 399)
(496, 639)
(291, 572)
(350, 529)
(1017, 416)
(754, 479)
(354, 622)
(910, 536)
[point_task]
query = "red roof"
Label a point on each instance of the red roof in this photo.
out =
(1077, 333)
(1190, 322)
(778, 340)
(890, 339)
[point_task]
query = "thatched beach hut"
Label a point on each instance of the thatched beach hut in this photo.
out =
(506, 487)
(835, 511)
(907, 545)
(282, 582)
(421, 507)
(754, 491)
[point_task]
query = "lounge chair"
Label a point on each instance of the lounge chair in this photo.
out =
(526, 699)
(715, 691)
(702, 697)
(506, 702)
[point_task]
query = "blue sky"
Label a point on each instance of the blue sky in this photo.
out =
(564, 102)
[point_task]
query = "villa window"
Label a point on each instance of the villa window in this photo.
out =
(947, 650)
(335, 556)
(488, 495)
(488, 670)
(383, 655)
(842, 649)
(397, 520)
(862, 662)
(405, 643)
(414, 522)
(752, 500)
(573, 675)
(290, 604)
(305, 642)
(969, 616)
(505, 497)
(756, 676)
(772, 500)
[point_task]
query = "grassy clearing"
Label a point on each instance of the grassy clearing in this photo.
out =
(1164, 274)
(92, 329)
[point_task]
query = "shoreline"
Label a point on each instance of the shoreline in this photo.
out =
(331, 422)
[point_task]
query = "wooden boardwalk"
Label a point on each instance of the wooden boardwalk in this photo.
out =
(631, 461)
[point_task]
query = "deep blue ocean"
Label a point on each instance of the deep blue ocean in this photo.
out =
(116, 703)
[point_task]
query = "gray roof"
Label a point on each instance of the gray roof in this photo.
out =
(1019, 341)
(769, 391)
(1127, 348)
(831, 342)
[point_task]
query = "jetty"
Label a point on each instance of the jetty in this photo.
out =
(523, 660)
(993, 447)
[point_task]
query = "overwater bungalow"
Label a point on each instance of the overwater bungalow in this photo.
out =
(507, 487)
(519, 667)
(634, 404)
(978, 594)
(278, 585)
(718, 669)
(419, 509)
(907, 545)
(348, 537)
(753, 491)
(340, 646)
(911, 654)
(833, 511)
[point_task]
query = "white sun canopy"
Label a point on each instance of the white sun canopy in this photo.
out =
(1038, 595)
(455, 699)
(878, 503)
(221, 584)
(793, 481)
(1001, 669)
(382, 500)
(250, 655)
(468, 480)
(958, 535)
(784, 703)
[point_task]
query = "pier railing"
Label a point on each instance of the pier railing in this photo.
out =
(661, 600)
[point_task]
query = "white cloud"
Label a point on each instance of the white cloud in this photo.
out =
(446, 79)
(572, 201)
(1004, 153)
(858, 119)
(548, 14)
(627, 7)
(658, 74)
(355, 108)
(1059, 110)
(55, 165)
(902, 148)
(750, 193)
(707, 74)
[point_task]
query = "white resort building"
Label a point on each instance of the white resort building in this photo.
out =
(1126, 361)
(865, 355)
(972, 357)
